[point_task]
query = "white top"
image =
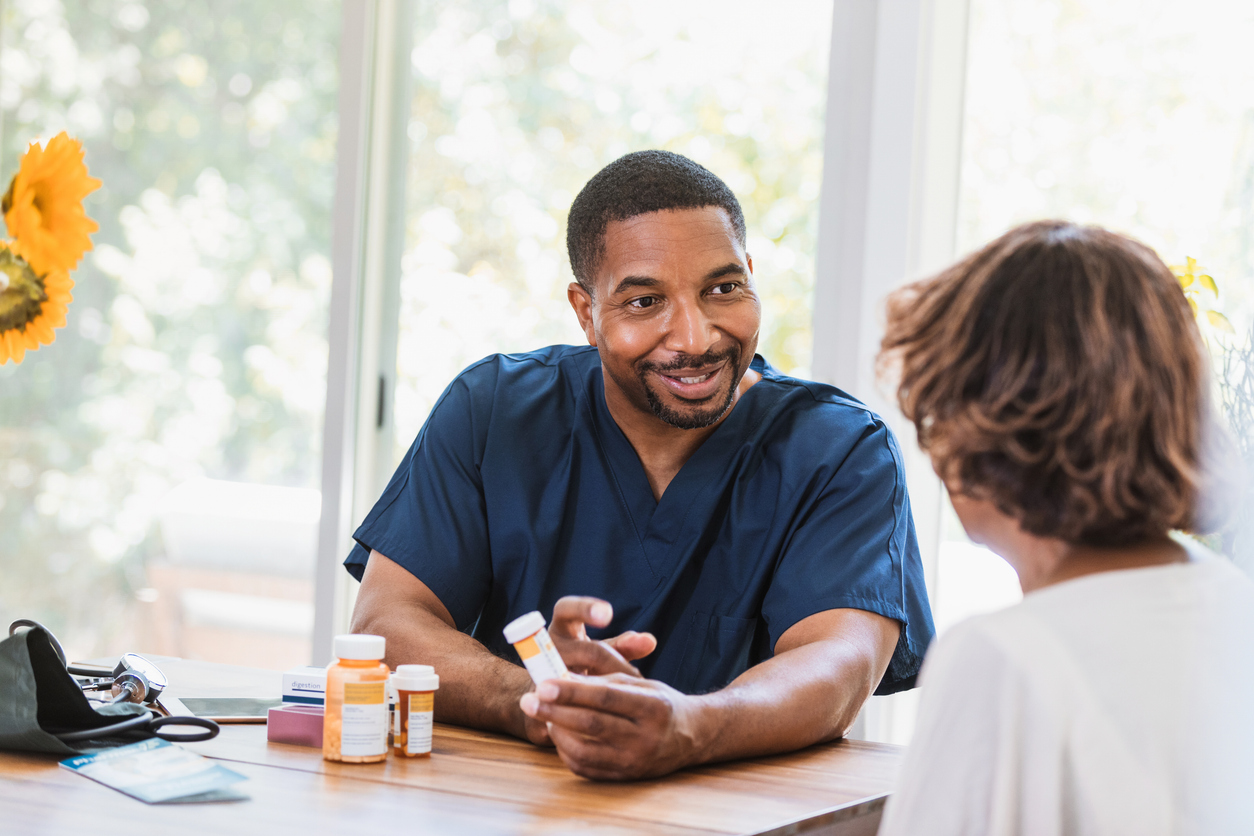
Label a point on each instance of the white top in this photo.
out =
(415, 678)
(523, 626)
(358, 646)
(1115, 703)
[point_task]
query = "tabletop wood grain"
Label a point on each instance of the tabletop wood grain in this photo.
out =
(474, 782)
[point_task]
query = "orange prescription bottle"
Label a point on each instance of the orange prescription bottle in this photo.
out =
(415, 709)
(355, 728)
(529, 637)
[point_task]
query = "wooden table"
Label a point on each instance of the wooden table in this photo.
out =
(473, 783)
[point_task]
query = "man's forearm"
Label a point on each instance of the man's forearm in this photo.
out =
(477, 688)
(807, 695)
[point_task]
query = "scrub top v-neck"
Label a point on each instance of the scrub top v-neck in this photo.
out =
(521, 488)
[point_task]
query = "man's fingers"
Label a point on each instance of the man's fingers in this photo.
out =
(586, 757)
(537, 730)
(608, 727)
(572, 612)
(594, 658)
(632, 645)
(588, 722)
(612, 697)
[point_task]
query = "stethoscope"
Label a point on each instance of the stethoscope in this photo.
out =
(134, 679)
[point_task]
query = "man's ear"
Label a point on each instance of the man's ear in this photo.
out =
(749, 260)
(581, 301)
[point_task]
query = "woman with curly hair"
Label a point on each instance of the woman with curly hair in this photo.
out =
(1057, 379)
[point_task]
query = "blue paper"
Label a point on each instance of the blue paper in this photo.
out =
(157, 771)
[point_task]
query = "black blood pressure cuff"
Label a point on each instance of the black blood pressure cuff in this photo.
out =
(39, 700)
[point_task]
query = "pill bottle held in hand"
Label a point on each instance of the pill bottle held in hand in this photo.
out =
(415, 709)
(530, 638)
(355, 728)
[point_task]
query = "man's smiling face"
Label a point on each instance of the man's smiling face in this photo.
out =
(675, 316)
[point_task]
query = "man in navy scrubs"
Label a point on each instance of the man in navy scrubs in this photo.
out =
(726, 553)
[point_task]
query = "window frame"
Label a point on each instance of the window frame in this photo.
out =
(367, 241)
(888, 214)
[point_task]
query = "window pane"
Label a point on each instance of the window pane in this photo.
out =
(518, 103)
(159, 463)
(1134, 114)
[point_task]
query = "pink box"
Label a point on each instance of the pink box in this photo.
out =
(297, 724)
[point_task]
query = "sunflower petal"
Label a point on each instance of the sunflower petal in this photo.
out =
(43, 209)
(55, 316)
(27, 339)
(42, 330)
(17, 351)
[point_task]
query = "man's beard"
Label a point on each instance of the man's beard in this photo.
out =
(701, 418)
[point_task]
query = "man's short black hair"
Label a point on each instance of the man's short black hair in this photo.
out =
(636, 184)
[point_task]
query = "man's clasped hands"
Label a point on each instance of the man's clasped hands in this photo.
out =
(606, 718)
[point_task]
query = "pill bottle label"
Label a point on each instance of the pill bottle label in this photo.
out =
(540, 657)
(365, 720)
(421, 715)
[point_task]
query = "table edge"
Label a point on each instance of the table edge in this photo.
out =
(827, 817)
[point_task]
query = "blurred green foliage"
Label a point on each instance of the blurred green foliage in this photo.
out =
(196, 341)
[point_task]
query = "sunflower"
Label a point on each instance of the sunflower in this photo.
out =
(30, 305)
(43, 207)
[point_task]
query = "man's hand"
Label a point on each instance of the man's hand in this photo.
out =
(615, 727)
(619, 726)
(583, 655)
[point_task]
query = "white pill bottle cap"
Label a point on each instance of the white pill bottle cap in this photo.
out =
(358, 647)
(523, 626)
(415, 678)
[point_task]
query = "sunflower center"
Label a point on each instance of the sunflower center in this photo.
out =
(23, 299)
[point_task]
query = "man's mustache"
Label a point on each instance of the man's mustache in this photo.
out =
(692, 361)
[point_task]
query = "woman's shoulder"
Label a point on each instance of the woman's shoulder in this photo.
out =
(1107, 628)
(981, 651)
(1207, 583)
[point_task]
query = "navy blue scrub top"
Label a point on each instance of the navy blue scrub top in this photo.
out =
(521, 488)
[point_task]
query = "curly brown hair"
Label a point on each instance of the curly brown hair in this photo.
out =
(1059, 373)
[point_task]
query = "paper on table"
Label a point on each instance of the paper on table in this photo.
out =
(155, 771)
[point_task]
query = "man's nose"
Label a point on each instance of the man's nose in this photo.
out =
(691, 330)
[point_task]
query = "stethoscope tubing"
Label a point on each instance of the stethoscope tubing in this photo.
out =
(146, 722)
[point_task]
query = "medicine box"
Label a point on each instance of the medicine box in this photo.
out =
(305, 686)
(297, 724)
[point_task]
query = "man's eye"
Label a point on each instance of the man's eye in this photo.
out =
(724, 288)
(643, 302)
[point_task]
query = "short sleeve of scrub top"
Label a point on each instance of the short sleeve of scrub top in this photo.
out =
(431, 518)
(521, 488)
(854, 548)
